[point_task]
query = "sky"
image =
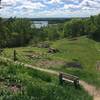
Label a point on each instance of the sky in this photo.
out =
(49, 8)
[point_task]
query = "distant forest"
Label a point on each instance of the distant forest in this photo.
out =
(18, 31)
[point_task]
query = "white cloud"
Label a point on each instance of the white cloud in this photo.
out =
(70, 6)
(55, 1)
(30, 5)
(20, 8)
(8, 2)
(85, 4)
(52, 1)
(47, 8)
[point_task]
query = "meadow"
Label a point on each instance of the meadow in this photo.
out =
(82, 50)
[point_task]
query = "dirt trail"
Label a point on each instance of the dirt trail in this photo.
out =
(92, 90)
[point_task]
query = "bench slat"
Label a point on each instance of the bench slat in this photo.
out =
(67, 80)
(70, 77)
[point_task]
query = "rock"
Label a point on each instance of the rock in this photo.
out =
(74, 64)
(53, 50)
(44, 45)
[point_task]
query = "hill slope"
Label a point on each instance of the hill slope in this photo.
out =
(19, 83)
(82, 50)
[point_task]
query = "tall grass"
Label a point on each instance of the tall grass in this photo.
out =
(35, 85)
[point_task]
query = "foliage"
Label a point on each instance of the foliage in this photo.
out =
(15, 32)
(74, 28)
(33, 85)
(88, 26)
(18, 31)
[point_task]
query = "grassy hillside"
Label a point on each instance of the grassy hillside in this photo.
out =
(20, 83)
(83, 50)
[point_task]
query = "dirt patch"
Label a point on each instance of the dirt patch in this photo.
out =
(49, 63)
(15, 88)
(35, 55)
(28, 51)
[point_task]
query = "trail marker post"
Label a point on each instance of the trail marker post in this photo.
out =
(98, 65)
(15, 55)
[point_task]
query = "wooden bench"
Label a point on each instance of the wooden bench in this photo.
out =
(63, 77)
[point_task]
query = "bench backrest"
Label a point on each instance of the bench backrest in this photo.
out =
(69, 76)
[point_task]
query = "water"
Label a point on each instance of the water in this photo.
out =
(39, 24)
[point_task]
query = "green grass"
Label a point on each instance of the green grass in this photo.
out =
(85, 50)
(34, 85)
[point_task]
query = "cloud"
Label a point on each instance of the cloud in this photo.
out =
(55, 1)
(85, 4)
(8, 2)
(29, 5)
(90, 3)
(49, 8)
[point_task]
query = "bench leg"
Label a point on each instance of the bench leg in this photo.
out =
(60, 79)
(76, 83)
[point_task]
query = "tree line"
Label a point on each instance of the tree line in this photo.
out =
(14, 32)
(88, 26)
(19, 31)
(76, 27)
